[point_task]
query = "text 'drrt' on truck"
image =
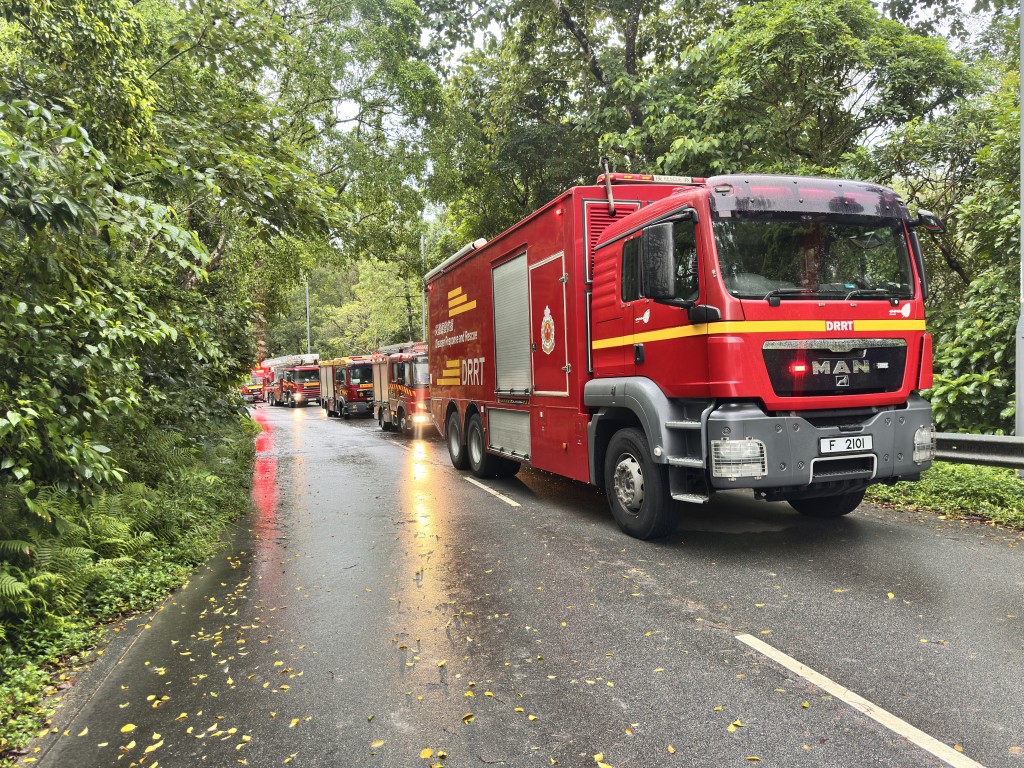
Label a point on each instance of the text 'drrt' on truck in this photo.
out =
(668, 338)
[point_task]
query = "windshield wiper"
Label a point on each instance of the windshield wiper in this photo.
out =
(881, 293)
(775, 296)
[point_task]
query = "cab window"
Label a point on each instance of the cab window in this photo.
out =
(684, 236)
(630, 267)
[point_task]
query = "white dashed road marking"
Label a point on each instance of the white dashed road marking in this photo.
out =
(506, 499)
(928, 743)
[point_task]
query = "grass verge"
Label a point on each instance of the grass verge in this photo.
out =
(105, 557)
(960, 491)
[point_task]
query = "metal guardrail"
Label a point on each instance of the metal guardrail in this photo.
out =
(988, 450)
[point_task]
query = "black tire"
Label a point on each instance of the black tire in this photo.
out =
(453, 436)
(829, 506)
(384, 425)
(404, 422)
(481, 463)
(343, 410)
(637, 488)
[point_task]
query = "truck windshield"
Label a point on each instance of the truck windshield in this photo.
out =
(360, 374)
(421, 373)
(813, 256)
(305, 376)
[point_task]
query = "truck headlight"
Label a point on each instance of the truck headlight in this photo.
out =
(738, 458)
(924, 444)
(298, 395)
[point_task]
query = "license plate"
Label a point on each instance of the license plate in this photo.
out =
(845, 444)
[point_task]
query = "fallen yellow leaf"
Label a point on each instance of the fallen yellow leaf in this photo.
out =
(671, 749)
(295, 721)
(426, 753)
(127, 728)
(84, 731)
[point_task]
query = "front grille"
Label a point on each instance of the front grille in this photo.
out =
(828, 367)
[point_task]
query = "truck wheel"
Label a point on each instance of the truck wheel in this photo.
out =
(343, 410)
(453, 436)
(637, 488)
(384, 425)
(481, 463)
(829, 506)
(404, 424)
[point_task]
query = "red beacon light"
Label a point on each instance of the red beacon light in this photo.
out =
(798, 369)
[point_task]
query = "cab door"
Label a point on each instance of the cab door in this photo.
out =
(548, 350)
(666, 346)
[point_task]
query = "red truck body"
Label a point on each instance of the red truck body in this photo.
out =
(401, 386)
(294, 380)
(346, 384)
(762, 332)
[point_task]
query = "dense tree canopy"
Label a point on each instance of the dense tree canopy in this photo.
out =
(171, 171)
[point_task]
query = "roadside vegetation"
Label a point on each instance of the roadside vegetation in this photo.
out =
(172, 172)
(959, 491)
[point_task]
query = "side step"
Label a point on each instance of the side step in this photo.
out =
(686, 461)
(683, 424)
(690, 498)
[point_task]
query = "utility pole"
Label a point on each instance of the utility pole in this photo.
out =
(1020, 319)
(309, 343)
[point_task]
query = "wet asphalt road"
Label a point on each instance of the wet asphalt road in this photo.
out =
(380, 610)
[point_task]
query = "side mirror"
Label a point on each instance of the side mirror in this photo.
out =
(930, 222)
(699, 314)
(657, 271)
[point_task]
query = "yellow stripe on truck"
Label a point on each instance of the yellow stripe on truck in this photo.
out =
(757, 326)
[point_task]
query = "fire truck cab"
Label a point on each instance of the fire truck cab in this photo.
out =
(401, 387)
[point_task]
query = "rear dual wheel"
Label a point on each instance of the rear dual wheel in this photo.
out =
(453, 436)
(482, 463)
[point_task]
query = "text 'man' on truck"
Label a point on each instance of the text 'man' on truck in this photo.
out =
(346, 386)
(685, 336)
(401, 387)
(293, 380)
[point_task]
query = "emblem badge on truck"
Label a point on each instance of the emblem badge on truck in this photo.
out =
(547, 332)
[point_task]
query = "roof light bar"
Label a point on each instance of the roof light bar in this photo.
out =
(647, 178)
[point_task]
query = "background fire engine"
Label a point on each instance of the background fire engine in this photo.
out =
(401, 387)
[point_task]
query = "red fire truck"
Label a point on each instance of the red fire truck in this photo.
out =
(401, 387)
(667, 337)
(294, 380)
(252, 390)
(347, 386)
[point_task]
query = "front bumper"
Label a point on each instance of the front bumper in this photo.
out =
(794, 462)
(359, 408)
